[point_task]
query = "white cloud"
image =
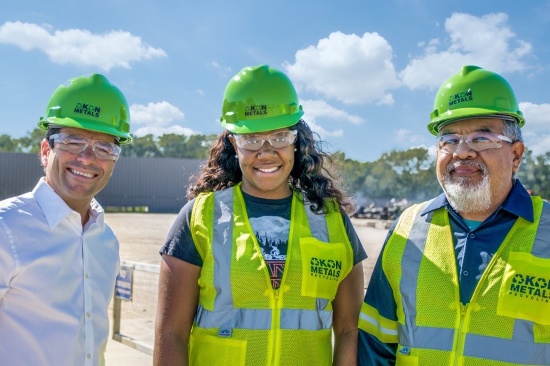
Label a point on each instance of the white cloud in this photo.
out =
(541, 145)
(536, 114)
(404, 135)
(536, 132)
(485, 41)
(79, 47)
(347, 68)
(159, 131)
(322, 132)
(158, 118)
(155, 114)
(320, 108)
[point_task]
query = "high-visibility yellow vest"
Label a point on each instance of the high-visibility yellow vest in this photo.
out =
(507, 321)
(241, 319)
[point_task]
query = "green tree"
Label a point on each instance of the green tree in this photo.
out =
(31, 143)
(145, 146)
(534, 173)
(172, 145)
(198, 146)
(7, 144)
(416, 178)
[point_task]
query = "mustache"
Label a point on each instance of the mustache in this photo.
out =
(456, 164)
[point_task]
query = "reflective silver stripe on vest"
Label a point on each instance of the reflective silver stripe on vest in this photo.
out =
(413, 335)
(514, 350)
(426, 337)
(317, 224)
(507, 350)
(258, 319)
(222, 246)
(541, 248)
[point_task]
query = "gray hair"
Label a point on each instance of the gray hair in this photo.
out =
(512, 130)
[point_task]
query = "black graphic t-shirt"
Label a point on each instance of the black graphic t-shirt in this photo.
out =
(270, 221)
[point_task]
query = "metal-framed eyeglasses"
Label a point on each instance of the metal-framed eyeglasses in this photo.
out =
(103, 150)
(255, 142)
(478, 141)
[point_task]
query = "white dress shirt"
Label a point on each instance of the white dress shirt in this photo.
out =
(56, 281)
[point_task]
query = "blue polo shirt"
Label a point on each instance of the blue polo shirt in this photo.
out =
(475, 246)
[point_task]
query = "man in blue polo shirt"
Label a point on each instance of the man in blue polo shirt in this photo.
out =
(463, 279)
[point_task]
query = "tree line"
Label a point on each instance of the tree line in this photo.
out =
(408, 174)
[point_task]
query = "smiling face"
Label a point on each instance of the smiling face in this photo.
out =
(76, 178)
(265, 172)
(476, 183)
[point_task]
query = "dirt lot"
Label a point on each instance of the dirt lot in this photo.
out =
(141, 236)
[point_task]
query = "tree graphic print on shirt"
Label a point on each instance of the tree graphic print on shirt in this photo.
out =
(272, 234)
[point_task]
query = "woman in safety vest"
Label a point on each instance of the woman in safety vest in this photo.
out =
(262, 265)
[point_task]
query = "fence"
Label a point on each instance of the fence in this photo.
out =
(139, 345)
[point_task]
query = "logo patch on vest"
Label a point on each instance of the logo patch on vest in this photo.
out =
(405, 351)
(525, 288)
(328, 269)
(225, 332)
(531, 287)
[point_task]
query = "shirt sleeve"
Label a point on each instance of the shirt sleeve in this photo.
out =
(359, 252)
(179, 242)
(378, 320)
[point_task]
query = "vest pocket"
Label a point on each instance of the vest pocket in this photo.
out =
(525, 289)
(324, 266)
(212, 350)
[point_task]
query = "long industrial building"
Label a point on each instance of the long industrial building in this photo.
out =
(153, 184)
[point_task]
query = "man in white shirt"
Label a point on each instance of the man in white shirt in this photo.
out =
(58, 258)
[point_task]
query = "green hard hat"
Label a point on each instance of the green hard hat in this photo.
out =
(91, 103)
(260, 99)
(473, 92)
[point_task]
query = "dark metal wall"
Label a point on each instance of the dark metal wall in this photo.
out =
(159, 184)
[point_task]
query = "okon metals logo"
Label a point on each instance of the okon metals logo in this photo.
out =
(255, 110)
(460, 97)
(328, 269)
(87, 109)
(530, 287)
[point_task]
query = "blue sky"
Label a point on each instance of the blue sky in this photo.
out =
(366, 71)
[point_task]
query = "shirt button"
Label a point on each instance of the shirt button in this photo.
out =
(472, 235)
(88, 356)
(86, 276)
(88, 315)
(465, 273)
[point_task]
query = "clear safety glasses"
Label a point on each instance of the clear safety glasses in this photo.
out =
(478, 141)
(103, 150)
(255, 142)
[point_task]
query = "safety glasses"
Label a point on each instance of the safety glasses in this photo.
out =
(478, 141)
(255, 142)
(103, 150)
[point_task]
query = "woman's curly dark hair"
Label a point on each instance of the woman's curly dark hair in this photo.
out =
(311, 173)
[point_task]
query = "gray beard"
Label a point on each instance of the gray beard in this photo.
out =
(465, 197)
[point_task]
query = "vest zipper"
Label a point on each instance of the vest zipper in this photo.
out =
(465, 310)
(275, 336)
(460, 335)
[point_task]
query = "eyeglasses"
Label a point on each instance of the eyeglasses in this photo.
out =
(103, 150)
(478, 141)
(255, 142)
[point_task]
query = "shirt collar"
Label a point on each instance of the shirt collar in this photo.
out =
(517, 203)
(55, 209)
